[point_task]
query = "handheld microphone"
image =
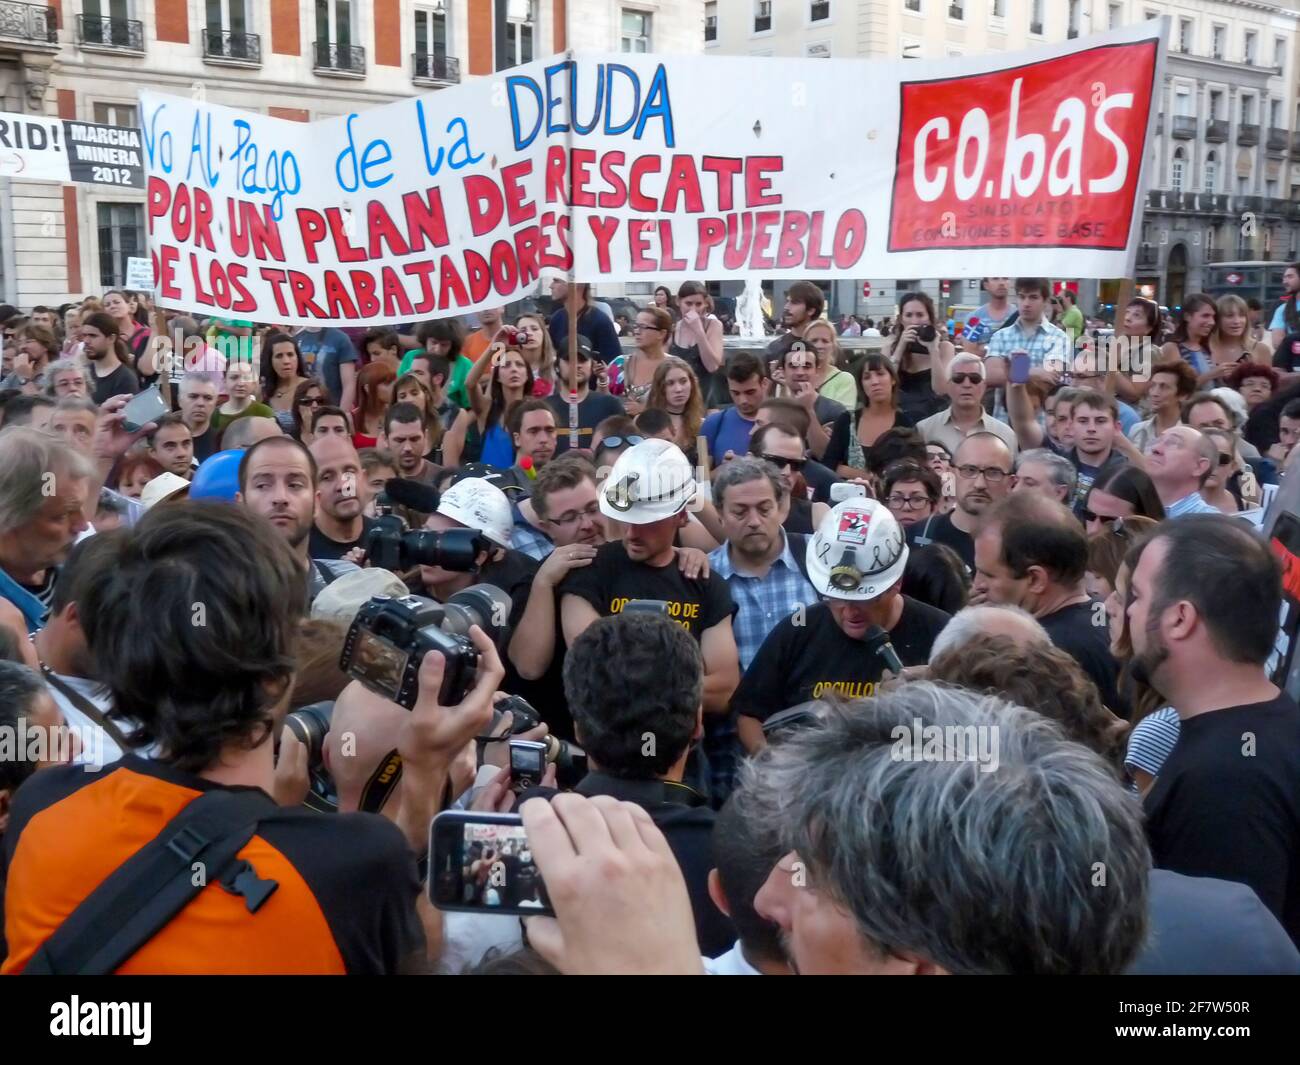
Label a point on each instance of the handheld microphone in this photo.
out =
(416, 495)
(877, 639)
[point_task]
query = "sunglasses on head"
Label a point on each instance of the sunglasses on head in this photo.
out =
(781, 462)
(619, 441)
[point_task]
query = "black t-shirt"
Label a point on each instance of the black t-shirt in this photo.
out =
(513, 574)
(1287, 356)
(205, 444)
(613, 579)
(916, 395)
(1227, 803)
(939, 529)
(322, 546)
(121, 381)
(1083, 633)
(798, 663)
(819, 478)
(594, 409)
(837, 451)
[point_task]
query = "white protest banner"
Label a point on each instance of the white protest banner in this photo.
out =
(37, 148)
(630, 167)
(139, 275)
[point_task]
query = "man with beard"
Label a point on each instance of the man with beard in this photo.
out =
(982, 469)
(804, 301)
(1204, 599)
(406, 435)
(277, 479)
(593, 407)
(855, 563)
(342, 493)
(761, 563)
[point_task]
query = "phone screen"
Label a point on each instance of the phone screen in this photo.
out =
(482, 863)
(148, 406)
(1018, 374)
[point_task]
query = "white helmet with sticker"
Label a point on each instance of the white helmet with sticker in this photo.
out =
(858, 551)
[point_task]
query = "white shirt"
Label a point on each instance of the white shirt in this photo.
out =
(732, 963)
(98, 748)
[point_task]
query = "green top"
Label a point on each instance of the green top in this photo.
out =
(840, 388)
(459, 371)
(1072, 322)
(255, 410)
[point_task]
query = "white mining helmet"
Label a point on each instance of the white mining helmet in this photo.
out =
(479, 504)
(650, 481)
(858, 551)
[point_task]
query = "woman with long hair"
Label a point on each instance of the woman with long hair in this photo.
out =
(122, 307)
(1231, 344)
(676, 391)
(1190, 340)
(697, 341)
(1140, 326)
(374, 394)
(1121, 491)
(480, 433)
(631, 376)
(535, 344)
(833, 382)
(282, 371)
(241, 392)
(874, 414)
(309, 395)
(921, 353)
(663, 299)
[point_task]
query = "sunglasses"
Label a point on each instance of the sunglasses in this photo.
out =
(781, 462)
(619, 441)
(1224, 459)
(312, 401)
(967, 378)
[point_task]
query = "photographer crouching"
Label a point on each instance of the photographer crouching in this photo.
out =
(183, 863)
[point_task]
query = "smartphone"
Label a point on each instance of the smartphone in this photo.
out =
(647, 606)
(1018, 372)
(527, 764)
(481, 863)
(147, 407)
(846, 490)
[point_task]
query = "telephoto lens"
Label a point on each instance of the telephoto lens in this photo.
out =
(310, 724)
(484, 605)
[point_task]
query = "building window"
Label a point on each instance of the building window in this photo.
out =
(116, 114)
(957, 9)
(636, 31)
(1279, 52)
(1216, 105)
(1185, 31)
(819, 10)
(1218, 35)
(1270, 188)
(121, 237)
(1248, 110)
(514, 22)
(710, 22)
(999, 9)
(431, 32)
(1275, 113)
(1114, 16)
(1036, 17)
(912, 5)
(762, 16)
(230, 15)
(116, 10)
(1183, 101)
(1211, 178)
(334, 22)
(1178, 170)
(1250, 46)
(1072, 20)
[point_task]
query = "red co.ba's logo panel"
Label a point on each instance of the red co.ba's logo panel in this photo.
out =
(1046, 155)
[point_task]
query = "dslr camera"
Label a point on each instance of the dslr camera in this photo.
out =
(393, 546)
(924, 335)
(390, 637)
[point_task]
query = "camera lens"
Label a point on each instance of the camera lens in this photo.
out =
(484, 605)
(455, 549)
(310, 724)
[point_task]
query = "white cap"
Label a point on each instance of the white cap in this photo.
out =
(343, 597)
(479, 504)
(164, 486)
(650, 481)
(858, 551)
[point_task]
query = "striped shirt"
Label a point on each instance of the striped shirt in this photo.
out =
(1151, 741)
(1192, 503)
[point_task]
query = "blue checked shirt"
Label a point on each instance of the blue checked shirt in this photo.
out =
(761, 602)
(528, 540)
(1048, 346)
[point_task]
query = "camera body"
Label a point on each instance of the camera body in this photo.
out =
(924, 335)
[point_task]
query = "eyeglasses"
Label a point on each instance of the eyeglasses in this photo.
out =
(312, 401)
(573, 517)
(992, 474)
(781, 462)
(639, 328)
(619, 441)
(907, 502)
(967, 378)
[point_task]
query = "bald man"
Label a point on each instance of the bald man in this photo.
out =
(1179, 462)
(246, 431)
(342, 492)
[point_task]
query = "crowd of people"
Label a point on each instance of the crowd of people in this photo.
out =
(948, 653)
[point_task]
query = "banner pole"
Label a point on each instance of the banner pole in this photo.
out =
(572, 301)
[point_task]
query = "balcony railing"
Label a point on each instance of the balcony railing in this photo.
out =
(234, 47)
(119, 34)
(426, 67)
(1278, 139)
(1216, 130)
(29, 22)
(1184, 127)
(1200, 203)
(1216, 255)
(1253, 204)
(1248, 134)
(348, 60)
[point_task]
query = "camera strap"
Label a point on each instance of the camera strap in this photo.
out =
(200, 845)
(381, 783)
(85, 706)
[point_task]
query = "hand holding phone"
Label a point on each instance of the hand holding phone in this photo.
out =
(482, 863)
(142, 409)
(1018, 372)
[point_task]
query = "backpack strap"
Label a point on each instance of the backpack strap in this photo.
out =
(137, 900)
